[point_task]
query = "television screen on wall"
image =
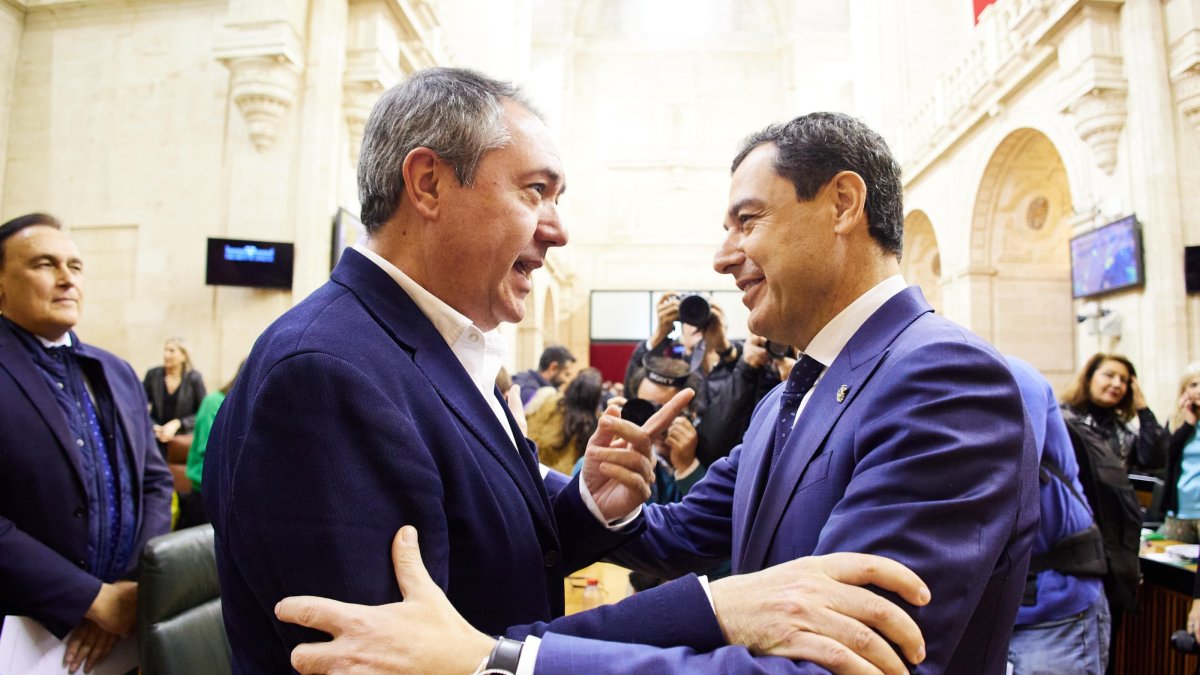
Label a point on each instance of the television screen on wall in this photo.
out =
(1107, 259)
(242, 262)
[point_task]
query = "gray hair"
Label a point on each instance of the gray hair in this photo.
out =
(456, 113)
(814, 148)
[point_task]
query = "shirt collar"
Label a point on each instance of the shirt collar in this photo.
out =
(481, 353)
(64, 341)
(832, 339)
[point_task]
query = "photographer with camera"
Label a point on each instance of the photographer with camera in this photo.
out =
(731, 382)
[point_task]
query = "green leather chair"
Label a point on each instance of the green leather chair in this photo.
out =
(180, 629)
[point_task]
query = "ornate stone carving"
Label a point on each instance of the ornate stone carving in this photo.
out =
(264, 89)
(265, 65)
(1099, 116)
(1187, 95)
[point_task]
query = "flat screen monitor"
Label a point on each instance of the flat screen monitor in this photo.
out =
(1107, 259)
(242, 262)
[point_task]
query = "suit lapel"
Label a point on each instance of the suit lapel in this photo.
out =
(853, 369)
(400, 316)
(20, 367)
(752, 479)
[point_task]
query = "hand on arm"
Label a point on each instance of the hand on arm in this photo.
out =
(422, 634)
(115, 608)
(617, 465)
(813, 609)
(87, 646)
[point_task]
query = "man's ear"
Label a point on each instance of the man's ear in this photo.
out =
(848, 192)
(424, 173)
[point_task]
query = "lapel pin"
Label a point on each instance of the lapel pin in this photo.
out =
(841, 395)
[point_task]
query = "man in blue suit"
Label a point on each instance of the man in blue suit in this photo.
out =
(898, 432)
(82, 484)
(371, 404)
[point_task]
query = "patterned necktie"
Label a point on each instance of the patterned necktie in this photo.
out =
(804, 374)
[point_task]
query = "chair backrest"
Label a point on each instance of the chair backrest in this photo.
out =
(180, 628)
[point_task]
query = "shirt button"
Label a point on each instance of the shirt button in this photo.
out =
(60, 385)
(473, 337)
(78, 512)
(79, 442)
(81, 562)
(551, 559)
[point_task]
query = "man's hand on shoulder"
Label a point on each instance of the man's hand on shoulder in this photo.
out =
(813, 609)
(422, 634)
(618, 466)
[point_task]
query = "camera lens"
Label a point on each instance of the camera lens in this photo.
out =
(694, 310)
(778, 349)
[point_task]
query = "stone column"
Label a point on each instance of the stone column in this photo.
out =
(1155, 194)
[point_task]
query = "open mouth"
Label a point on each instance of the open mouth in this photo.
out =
(526, 267)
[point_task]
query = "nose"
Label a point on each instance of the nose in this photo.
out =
(551, 230)
(729, 254)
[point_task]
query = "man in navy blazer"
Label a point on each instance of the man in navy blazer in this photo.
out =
(82, 484)
(912, 443)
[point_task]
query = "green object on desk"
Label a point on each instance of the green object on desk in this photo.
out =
(1153, 536)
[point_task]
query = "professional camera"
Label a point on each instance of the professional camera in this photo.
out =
(1185, 642)
(694, 309)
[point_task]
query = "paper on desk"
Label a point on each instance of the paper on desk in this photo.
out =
(27, 648)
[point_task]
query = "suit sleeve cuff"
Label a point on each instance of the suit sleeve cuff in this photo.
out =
(528, 655)
(586, 495)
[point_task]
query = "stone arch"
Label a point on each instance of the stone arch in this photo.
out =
(1019, 274)
(921, 263)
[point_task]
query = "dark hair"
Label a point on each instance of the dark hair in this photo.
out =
(694, 382)
(813, 148)
(19, 223)
(555, 354)
(233, 380)
(456, 113)
(580, 406)
(1078, 393)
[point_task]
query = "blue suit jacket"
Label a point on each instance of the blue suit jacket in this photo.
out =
(351, 418)
(927, 459)
(44, 494)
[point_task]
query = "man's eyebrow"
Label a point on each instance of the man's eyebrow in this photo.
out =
(550, 176)
(743, 203)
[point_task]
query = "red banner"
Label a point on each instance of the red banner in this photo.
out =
(979, 5)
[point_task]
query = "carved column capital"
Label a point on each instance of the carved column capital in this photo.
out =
(1099, 116)
(265, 66)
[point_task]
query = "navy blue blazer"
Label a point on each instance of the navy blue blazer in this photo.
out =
(914, 445)
(351, 418)
(44, 494)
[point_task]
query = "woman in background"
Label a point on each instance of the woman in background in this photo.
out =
(562, 425)
(1181, 497)
(191, 508)
(1098, 407)
(174, 390)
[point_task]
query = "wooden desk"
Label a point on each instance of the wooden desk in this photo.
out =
(614, 585)
(1165, 595)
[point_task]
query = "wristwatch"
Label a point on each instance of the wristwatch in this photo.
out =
(505, 656)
